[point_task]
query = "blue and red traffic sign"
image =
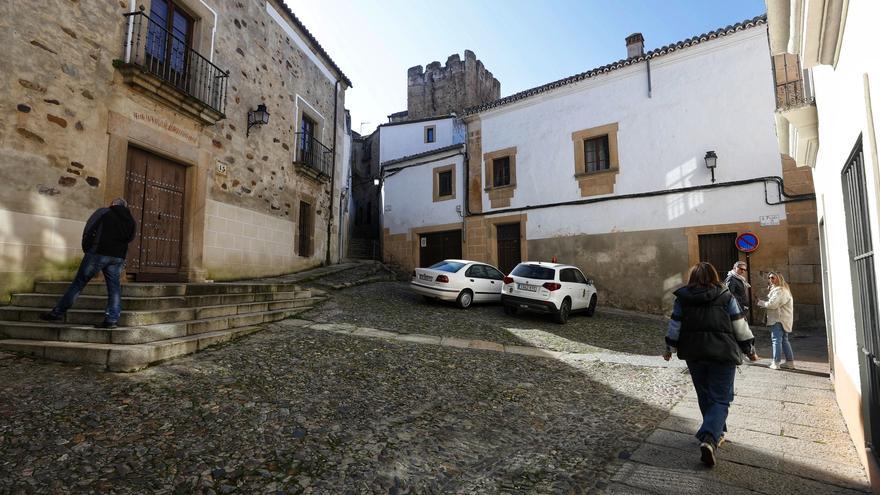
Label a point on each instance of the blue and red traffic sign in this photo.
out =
(747, 242)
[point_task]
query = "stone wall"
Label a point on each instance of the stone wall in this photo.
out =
(63, 97)
(441, 90)
(804, 273)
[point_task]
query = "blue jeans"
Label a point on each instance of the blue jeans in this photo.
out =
(89, 267)
(714, 385)
(779, 338)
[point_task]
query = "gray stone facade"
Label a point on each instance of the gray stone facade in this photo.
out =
(441, 90)
(70, 85)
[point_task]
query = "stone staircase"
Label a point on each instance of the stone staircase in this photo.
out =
(362, 248)
(159, 321)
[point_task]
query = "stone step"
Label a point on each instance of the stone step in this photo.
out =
(122, 357)
(140, 289)
(139, 318)
(47, 301)
(59, 332)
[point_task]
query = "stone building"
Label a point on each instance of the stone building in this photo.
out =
(609, 170)
(440, 90)
(163, 102)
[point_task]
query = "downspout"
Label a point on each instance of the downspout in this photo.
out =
(648, 64)
(332, 172)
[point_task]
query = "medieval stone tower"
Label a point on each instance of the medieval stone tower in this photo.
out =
(440, 90)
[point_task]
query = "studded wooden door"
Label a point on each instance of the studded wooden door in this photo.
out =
(154, 189)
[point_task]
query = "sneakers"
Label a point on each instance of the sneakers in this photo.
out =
(720, 441)
(50, 316)
(707, 453)
(106, 324)
(774, 365)
(786, 365)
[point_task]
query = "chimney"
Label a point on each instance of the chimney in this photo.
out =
(635, 45)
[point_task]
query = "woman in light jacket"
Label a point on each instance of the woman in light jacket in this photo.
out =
(780, 315)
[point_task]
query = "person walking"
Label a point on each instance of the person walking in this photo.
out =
(780, 316)
(709, 332)
(105, 243)
(739, 287)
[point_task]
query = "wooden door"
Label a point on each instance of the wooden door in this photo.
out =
(154, 189)
(509, 254)
(439, 246)
(720, 250)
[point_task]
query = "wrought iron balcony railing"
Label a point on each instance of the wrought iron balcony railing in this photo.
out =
(311, 153)
(793, 94)
(151, 48)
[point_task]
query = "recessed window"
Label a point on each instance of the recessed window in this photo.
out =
(430, 134)
(596, 156)
(444, 183)
(501, 172)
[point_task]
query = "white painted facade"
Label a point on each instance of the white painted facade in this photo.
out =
(399, 140)
(407, 190)
(838, 46)
(408, 201)
(713, 96)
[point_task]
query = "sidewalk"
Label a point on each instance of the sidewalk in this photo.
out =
(786, 436)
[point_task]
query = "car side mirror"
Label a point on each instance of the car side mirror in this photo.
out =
(589, 281)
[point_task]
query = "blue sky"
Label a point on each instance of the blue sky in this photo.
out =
(523, 43)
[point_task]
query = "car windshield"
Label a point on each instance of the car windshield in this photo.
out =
(447, 266)
(534, 271)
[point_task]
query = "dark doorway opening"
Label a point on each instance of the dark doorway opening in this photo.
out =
(439, 246)
(720, 250)
(509, 252)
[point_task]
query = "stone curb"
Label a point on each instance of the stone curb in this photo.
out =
(522, 350)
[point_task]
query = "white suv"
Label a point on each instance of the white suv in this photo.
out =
(548, 288)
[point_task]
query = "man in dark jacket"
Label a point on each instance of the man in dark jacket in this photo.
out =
(736, 282)
(105, 243)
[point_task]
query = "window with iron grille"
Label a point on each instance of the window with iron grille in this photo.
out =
(596, 156)
(169, 36)
(501, 171)
(864, 286)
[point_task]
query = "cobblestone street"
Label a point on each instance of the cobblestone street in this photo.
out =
(301, 411)
(379, 392)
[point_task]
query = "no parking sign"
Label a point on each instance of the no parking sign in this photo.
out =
(747, 242)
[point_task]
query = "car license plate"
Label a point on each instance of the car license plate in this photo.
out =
(530, 288)
(422, 276)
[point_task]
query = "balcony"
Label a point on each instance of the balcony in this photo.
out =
(312, 157)
(162, 65)
(797, 121)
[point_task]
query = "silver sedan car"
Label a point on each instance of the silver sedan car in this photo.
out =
(462, 281)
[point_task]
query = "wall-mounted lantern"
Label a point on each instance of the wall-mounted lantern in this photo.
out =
(260, 116)
(711, 160)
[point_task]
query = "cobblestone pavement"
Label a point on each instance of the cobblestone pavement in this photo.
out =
(390, 305)
(294, 410)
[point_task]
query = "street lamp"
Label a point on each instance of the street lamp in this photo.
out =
(260, 116)
(711, 160)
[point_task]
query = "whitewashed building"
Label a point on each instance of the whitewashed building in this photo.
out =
(423, 190)
(827, 120)
(607, 170)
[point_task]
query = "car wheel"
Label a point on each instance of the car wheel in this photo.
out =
(591, 309)
(465, 299)
(510, 310)
(564, 311)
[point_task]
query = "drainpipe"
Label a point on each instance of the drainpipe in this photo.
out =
(332, 172)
